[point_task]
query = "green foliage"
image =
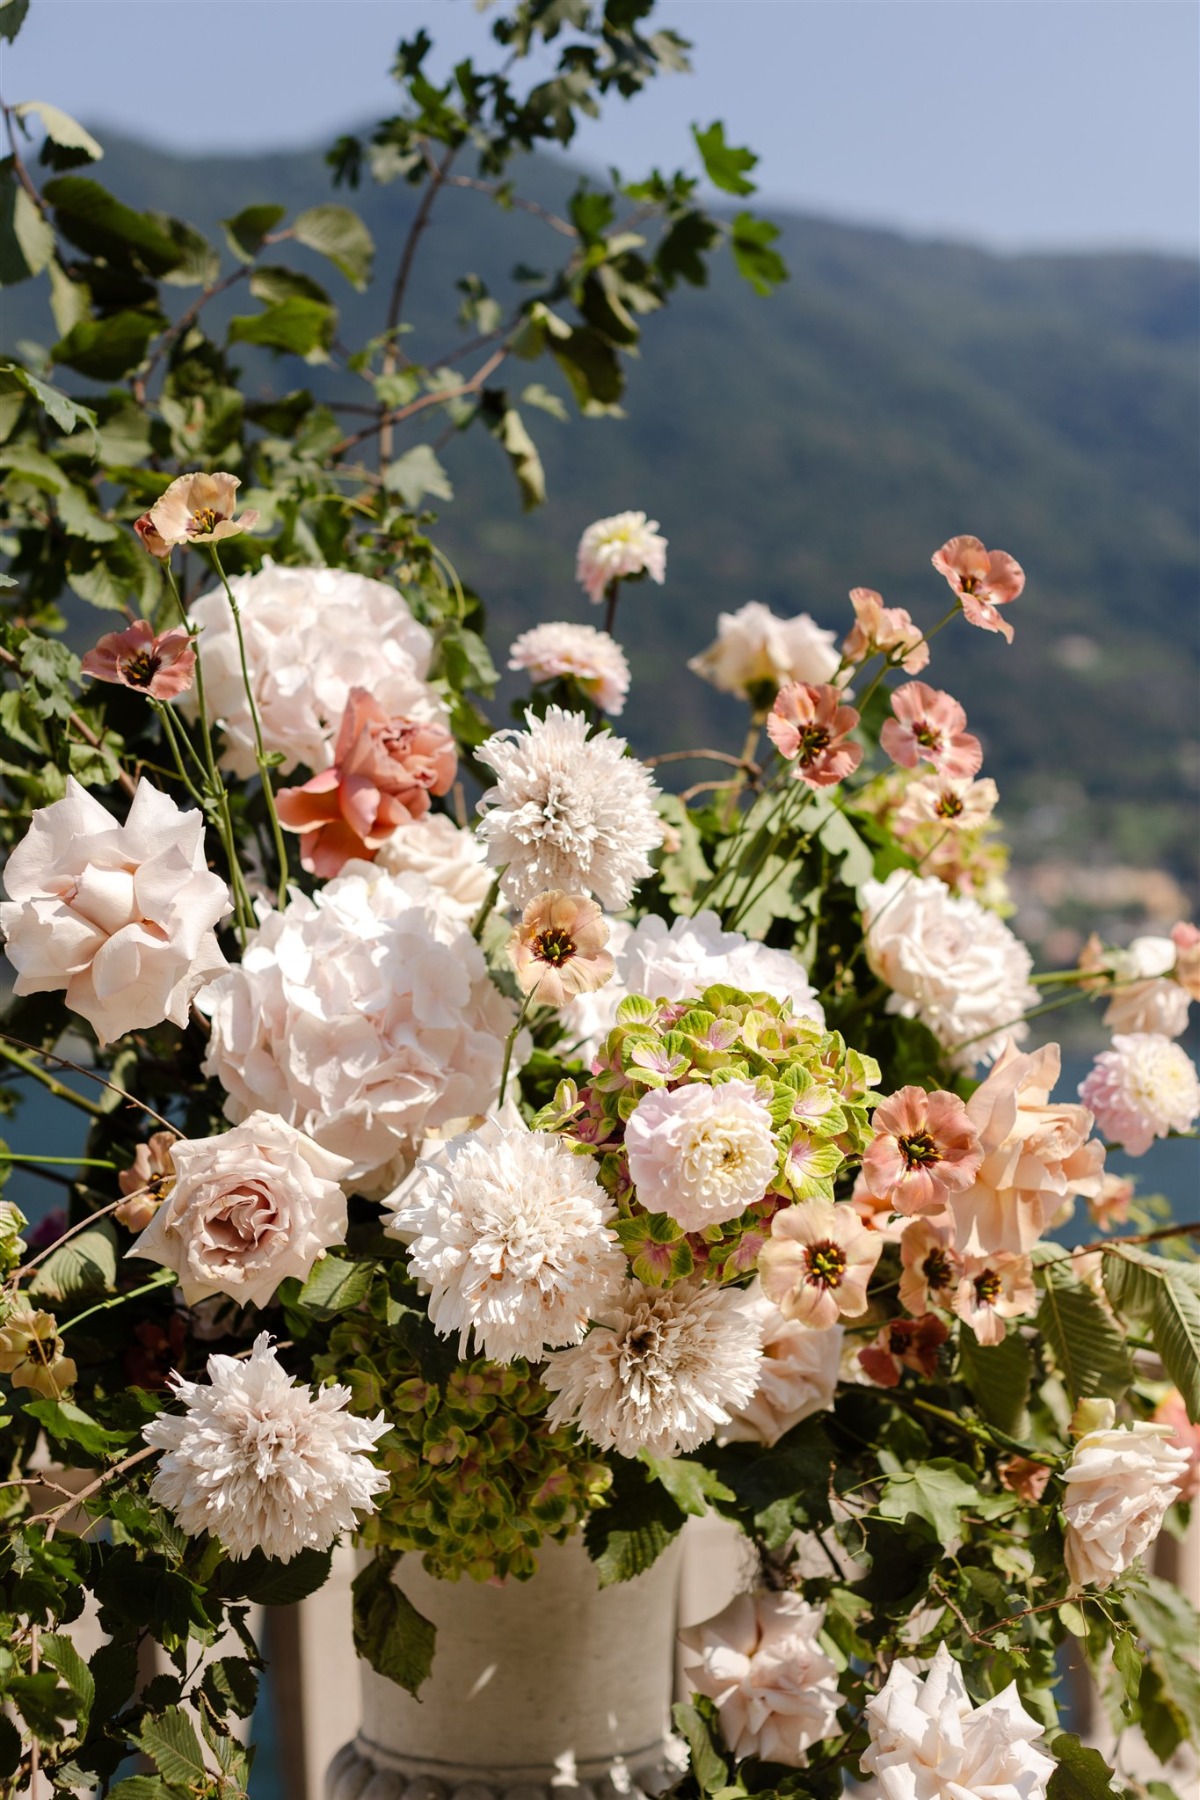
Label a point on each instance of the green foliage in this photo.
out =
(1165, 1294)
(389, 1632)
(1089, 1350)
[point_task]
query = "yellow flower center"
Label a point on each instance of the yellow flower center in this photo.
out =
(987, 1288)
(203, 519)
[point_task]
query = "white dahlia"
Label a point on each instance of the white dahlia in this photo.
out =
(569, 811)
(678, 961)
(364, 1016)
(311, 635)
(660, 1370)
(510, 1236)
(620, 549)
(950, 962)
(702, 1154)
(1144, 1088)
(262, 1463)
(591, 658)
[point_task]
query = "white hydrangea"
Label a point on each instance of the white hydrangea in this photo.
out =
(569, 811)
(678, 961)
(620, 549)
(364, 1016)
(260, 1462)
(661, 1369)
(311, 635)
(929, 1743)
(950, 962)
(1120, 1481)
(452, 860)
(591, 658)
(510, 1236)
(754, 647)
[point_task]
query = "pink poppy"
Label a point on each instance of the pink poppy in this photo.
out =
(930, 726)
(992, 1289)
(162, 666)
(818, 1261)
(905, 1344)
(383, 773)
(930, 1265)
(889, 629)
(982, 579)
(809, 725)
(924, 1149)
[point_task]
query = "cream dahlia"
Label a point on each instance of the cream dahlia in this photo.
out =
(755, 652)
(621, 548)
(258, 1461)
(590, 658)
(1144, 1088)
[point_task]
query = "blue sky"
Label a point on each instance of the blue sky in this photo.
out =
(1015, 123)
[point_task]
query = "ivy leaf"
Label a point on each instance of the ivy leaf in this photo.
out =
(936, 1491)
(389, 1632)
(334, 1286)
(67, 143)
(1088, 1348)
(690, 1485)
(751, 241)
(339, 234)
(726, 165)
(631, 1532)
(1082, 1774)
(171, 1744)
(415, 474)
(85, 1265)
(998, 1376)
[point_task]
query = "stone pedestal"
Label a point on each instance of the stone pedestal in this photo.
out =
(541, 1690)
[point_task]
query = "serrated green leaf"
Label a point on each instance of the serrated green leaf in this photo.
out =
(998, 1375)
(146, 1787)
(389, 1632)
(69, 1424)
(246, 231)
(296, 326)
(630, 1532)
(334, 1286)
(26, 237)
(62, 1655)
(66, 413)
(171, 1743)
(509, 430)
(1082, 1773)
(1166, 1293)
(90, 217)
(107, 349)
(84, 1265)
(705, 1762)
(690, 1485)
(74, 144)
(1088, 1348)
(265, 1581)
(339, 234)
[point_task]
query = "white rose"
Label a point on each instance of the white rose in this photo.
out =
(452, 860)
(311, 635)
(120, 916)
(247, 1209)
(753, 646)
(798, 1375)
(1120, 1481)
(950, 963)
(1149, 998)
(679, 961)
(365, 1017)
(761, 1661)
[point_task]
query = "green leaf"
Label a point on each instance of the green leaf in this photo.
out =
(246, 231)
(107, 349)
(26, 237)
(1167, 1294)
(998, 1375)
(690, 1485)
(12, 17)
(66, 413)
(265, 1581)
(415, 474)
(62, 1655)
(334, 1286)
(632, 1530)
(339, 234)
(936, 1491)
(1087, 1346)
(725, 165)
(91, 218)
(1082, 1774)
(146, 1787)
(84, 1265)
(509, 430)
(751, 240)
(1167, 1623)
(231, 1685)
(389, 1632)
(706, 1764)
(69, 1424)
(273, 284)
(299, 326)
(544, 399)
(171, 1744)
(67, 143)
(198, 264)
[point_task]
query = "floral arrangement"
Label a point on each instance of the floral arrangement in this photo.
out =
(488, 1144)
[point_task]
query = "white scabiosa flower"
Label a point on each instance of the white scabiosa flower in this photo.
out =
(591, 658)
(620, 549)
(949, 962)
(1120, 1481)
(660, 1370)
(569, 811)
(761, 1661)
(1144, 1088)
(510, 1234)
(702, 1154)
(262, 1463)
(678, 962)
(927, 1739)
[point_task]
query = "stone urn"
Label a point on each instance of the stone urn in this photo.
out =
(541, 1690)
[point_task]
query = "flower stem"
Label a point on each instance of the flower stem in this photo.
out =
(510, 1040)
(485, 911)
(260, 755)
(59, 1089)
(164, 1278)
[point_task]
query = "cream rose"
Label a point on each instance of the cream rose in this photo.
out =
(797, 1377)
(761, 1661)
(756, 649)
(120, 916)
(452, 860)
(248, 1209)
(1120, 1482)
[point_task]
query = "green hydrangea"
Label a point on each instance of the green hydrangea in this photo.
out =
(818, 1091)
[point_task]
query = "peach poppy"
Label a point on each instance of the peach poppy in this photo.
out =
(930, 1266)
(982, 579)
(905, 1344)
(992, 1289)
(809, 726)
(197, 509)
(889, 629)
(818, 1261)
(558, 948)
(929, 725)
(163, 666)
(925, 1148)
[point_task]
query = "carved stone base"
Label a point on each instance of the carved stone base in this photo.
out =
(364, 1771)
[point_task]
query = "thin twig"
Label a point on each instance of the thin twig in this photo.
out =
(64, 1062)
(437, 398)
